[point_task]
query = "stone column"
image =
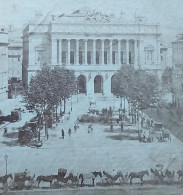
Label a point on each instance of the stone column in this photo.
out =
(86, 40)
(107, 85)
(119, 52)
(77, 51)
(54, 52)
(141, 54)
(127, 51)
(135, 54)
(102, 51)
(110, 51)
(90, 86)
(60, 50)
(94, 51)
(68, 51)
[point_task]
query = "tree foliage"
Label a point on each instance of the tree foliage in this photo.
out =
(138, 86)
(49, 86)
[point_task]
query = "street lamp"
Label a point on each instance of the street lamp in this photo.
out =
(6, 159)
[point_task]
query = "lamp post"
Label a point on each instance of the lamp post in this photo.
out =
(6, 159)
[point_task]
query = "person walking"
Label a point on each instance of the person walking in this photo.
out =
(62, 134)
(69, 131)
(121, 126)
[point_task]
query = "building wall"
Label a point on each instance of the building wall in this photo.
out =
(3, 64)
(15, 61)
(177, 61)
(66, 38)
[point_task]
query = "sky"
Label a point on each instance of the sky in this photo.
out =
(168, 13)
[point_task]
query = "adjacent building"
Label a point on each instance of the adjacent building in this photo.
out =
(92, 44)
(177, 61)
(3, 64)
(15, 50)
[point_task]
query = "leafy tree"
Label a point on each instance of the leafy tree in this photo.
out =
(138, 87)
(49, 87)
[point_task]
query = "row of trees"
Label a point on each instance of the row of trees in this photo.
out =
(140, 88)
(50, 87)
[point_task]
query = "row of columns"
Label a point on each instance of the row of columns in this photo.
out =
(54, 51)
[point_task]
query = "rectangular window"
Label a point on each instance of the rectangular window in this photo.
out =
(97, 57)
(64, 57)
(57, 51)
(113, 57)
(122, 59)
(80, 58)
(105, 57)
(130, 57)
(88, 57)
(72, 57)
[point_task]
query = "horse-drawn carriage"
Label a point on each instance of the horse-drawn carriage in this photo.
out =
(22, 180)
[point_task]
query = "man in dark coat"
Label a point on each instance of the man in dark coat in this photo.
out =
(62, 134)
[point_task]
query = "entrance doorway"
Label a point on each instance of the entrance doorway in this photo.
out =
(98, 84)
(81, 84)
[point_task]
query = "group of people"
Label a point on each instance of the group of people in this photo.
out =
(69, 131)
(63, 134)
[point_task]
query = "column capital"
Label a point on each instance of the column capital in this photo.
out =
(85, 40)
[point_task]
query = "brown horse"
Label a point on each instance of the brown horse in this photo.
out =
(139, 175)
(3, 179)
(89, 176)
(158, 175)
(48, 178)
(112, 178)
(169, 175)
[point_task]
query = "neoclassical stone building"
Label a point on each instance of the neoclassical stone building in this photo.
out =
(94, 45)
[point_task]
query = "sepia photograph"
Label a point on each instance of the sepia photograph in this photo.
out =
(91, 97)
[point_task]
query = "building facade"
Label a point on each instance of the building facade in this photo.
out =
(177, 61)
(92, 44)
(3, 64)
(15, 50)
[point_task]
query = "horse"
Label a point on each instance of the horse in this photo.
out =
(139, 175)
(63, 179)
(89, 176)
(112, 178)
(48, 178)
(73, 179)
(180, 176)
(158, 175)
(3, 179)
(169, 175)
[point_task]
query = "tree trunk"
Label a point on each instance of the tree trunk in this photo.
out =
(56, 114)
(60, 107)
(121, 106)
(64, 105)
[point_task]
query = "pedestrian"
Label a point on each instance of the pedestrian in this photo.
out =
(121, 126)
(69, 131)
(75, 127)
(88, 129)
(111, 127)
(5, 131)
(62, 134)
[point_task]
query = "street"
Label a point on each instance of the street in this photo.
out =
(126, 190)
